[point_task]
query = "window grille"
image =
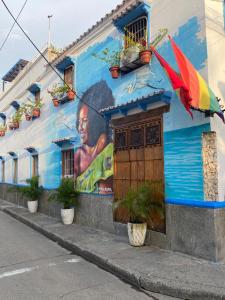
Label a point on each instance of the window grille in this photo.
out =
(137, 137)
(35, 165)
(68, 163)
(136, 32)
(141, 135)
(153, 134)
(120, 139)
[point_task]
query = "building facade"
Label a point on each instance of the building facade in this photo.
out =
(118, 133)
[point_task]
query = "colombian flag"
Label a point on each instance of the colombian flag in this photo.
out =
(194, 91)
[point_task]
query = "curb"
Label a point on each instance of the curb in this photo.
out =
(142, 282)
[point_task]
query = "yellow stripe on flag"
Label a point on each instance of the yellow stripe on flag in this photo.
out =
(204, 96)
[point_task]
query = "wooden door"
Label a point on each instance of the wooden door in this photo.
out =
(138, 158)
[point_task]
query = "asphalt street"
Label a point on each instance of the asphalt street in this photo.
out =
(33, 268)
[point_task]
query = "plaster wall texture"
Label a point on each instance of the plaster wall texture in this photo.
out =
(214, 11)
(196, 231)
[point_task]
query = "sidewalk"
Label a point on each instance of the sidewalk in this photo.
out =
(150, 268)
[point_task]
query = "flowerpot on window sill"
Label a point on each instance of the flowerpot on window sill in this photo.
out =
(71, 95)
(55, 102)
(36, 112)
(32, 206)
(145, 56)
(67, 216)
(28, 117)
(137, 233)
(115, 71)
(2, 133)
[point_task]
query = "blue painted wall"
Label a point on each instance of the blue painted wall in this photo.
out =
(182, 135)
(183, 163)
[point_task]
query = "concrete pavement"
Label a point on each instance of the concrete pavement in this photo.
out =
(153, 269)
(33, 267)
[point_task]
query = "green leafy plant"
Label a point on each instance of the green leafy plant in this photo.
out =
(58, 90)
(65, 193)
(143, 203)
(30, 105)
(3, 128)
(33, 191)
(111, 57)
(17, 117)
(160, 36)
(26, 109)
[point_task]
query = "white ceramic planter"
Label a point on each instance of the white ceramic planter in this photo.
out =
(67, 216)
(137, 233)
(32, 206)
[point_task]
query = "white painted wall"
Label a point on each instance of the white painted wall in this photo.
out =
(172, 15)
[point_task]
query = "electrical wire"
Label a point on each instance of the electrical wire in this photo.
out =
(7, 36)
(50, 65)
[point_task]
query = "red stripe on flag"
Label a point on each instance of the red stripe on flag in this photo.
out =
(176, 81)
(188, 74)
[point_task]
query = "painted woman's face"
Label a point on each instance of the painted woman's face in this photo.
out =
(83, 125)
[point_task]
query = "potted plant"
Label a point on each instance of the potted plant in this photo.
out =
(141, 206)
(145, 53)
(58, 92)
(34, 108)
(3, 129)
(68, 197)
(27, 112)
(33, 192)
(112, 58)
(37, 108)
(15, 120)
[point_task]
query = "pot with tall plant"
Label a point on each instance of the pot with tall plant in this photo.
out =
(58, 91)
(112, 58)
(14, 122)
(32, 192)
(141, 205)
(27, 111)
(66, 195)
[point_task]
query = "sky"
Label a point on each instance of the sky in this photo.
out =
(70, 19)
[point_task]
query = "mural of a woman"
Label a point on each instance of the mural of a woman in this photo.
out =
(93, 166)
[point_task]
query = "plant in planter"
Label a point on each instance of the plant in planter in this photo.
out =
(3, 129)
(33, 192)
(68, 197)
(15, 120)
(141, 205)
(34, 108)
(141, 47)
(145, 52)
(27, 112)
(58, 92)
(37, 108)
(112, 58)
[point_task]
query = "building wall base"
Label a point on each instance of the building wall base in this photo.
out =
(197, 231)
